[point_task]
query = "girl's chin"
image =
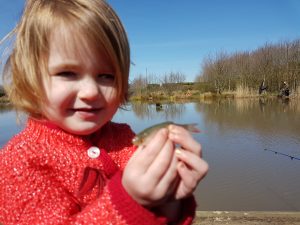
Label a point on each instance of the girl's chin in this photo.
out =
(83, 128)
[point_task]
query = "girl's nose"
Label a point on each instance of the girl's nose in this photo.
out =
(88, 89)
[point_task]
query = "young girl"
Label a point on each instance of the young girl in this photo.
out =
(69, 71)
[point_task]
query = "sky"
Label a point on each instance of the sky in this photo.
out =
(176, 35)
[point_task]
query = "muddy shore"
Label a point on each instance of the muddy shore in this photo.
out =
(246, 218)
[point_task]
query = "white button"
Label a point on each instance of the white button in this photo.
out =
(93, 152)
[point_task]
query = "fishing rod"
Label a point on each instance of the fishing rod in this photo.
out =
(280, 153)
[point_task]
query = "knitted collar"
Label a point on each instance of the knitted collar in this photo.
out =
(45, 131)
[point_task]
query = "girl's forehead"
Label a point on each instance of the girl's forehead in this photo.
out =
(65, 43)
(64, 40)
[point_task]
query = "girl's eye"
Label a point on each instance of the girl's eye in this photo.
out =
(107, 79)
(66, 74)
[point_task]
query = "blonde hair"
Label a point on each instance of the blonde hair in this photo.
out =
(94, 19)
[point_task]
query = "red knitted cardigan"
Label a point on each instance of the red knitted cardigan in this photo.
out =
(47, 177)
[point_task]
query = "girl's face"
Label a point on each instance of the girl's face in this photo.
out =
(80, 90)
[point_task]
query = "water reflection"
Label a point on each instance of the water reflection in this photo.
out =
(243, 137)
(262, 115)
(8, 124)
(168, 111)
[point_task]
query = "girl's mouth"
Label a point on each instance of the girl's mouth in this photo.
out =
(87, 113)
(87, 109)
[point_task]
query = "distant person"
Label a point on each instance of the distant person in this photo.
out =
(262, 88)
(284, 91)
(71, 164)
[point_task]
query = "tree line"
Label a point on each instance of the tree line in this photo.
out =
(272, 64)
(150, 84)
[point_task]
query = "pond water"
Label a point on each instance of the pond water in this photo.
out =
(252, 147)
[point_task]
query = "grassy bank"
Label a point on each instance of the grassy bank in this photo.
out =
(246, 218)
(191, 93)
(196, 95)
(178, 95)
(199, 90)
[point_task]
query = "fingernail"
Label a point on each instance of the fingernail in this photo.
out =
(178, 151)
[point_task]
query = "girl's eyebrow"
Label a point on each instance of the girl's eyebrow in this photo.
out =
(54, 68)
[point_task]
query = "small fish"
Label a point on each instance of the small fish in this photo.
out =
(143, 135)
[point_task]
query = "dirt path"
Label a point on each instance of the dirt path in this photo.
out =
(246, 218)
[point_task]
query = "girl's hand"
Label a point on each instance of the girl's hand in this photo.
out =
(150, 175)
(191, 167)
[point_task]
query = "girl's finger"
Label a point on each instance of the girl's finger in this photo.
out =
(183, 137)
(160, 165)
(185, 188)
(169, 181)
(145, 155)
(188, 177)
(193, 161)
(189, 180)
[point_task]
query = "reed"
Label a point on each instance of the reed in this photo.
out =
(297, 92)
(207, 95)
(245, 92)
